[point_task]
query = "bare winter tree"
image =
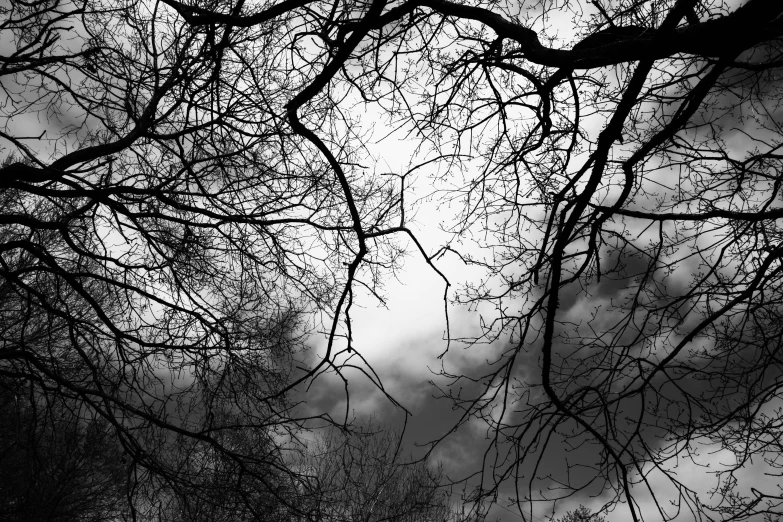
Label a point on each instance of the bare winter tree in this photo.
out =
(581, 514)
(205, 172)
(57, 466)
(623, 170)
(365, 477)
(153, 271)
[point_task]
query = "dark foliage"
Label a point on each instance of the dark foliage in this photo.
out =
(57, 466)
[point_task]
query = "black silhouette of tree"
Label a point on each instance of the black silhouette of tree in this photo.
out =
(155, 307)
(213, 485)
(202, 197)
(581, 514)
(56, 465)
(364, 477)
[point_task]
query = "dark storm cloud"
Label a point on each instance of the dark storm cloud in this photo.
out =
(571, 456)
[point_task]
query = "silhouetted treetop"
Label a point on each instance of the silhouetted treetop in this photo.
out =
(194, 193)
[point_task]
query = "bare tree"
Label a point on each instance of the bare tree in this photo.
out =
(175, 431)
(203, 172)
(114, 293)
(57, 465)
(364, 477)
(167, 243)
(629, 233)
(581, 514)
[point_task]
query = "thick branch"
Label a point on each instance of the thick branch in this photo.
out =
(200, 16)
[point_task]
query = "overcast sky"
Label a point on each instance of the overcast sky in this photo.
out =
(403, 343)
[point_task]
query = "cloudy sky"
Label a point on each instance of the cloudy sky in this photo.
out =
(403, 342)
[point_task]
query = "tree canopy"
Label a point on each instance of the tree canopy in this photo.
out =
(193, 190)
(367, 477)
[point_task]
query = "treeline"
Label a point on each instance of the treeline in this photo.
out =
(60, 462)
